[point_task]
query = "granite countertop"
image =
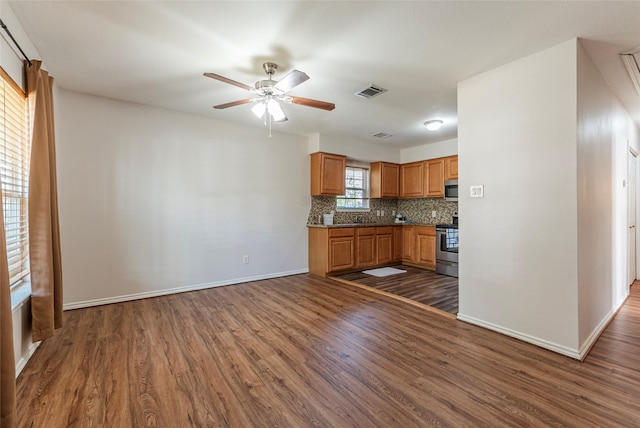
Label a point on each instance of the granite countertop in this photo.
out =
(331, 226)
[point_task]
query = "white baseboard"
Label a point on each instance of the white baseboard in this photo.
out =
(25, 358)
(595, 334)
(136, 296)
(578, 354)
(569, 352)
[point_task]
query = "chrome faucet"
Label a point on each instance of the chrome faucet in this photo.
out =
(359, 219)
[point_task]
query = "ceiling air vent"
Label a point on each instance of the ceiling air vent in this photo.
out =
(632, 62)
(382, 135)
(370, 92)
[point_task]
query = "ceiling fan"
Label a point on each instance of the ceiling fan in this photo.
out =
(270, 92)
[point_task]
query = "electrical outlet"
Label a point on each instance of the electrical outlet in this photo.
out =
(378, 213)
(382, 213)
(433, 214)
(393, 213)
(245, 259)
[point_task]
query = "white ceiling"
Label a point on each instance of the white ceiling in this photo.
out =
(154, 53)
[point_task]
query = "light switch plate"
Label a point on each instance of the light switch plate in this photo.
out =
(477, 191)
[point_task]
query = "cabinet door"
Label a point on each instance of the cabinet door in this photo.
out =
(384, 180)
(451, 168)
(366, 247)
(341, 253)
(411, 177)
(434, 178)
(327, 174)
(384, 248)
(426, 246)
(408, 244)
(427, 250)
(397, 243)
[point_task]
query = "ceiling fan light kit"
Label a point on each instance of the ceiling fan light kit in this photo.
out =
(269, 94)
(433, 125)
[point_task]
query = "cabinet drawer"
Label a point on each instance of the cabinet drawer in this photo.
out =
(385, 230)
(362, 231)
(340, 231)
(426, 230)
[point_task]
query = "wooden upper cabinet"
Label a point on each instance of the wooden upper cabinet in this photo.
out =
(451, 168)
(327, 174)
(385, 180)
(411, 179)
(434, 178)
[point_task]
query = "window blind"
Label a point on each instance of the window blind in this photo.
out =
(357, 189)
(15, 153)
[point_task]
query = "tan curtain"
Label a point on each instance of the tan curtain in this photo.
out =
(7, 362)
(44, 233)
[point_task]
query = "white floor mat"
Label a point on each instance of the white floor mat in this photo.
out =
(384, 271)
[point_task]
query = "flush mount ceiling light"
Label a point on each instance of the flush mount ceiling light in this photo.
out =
(433, 125)
(270, 93)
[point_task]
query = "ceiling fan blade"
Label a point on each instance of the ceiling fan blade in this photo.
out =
(229, 81)
(291, 80)
(313, 103)
(234, 103)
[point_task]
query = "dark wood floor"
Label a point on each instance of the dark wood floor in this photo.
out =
(307, 351)
(426, 287)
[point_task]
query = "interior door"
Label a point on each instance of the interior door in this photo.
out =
(631, 188)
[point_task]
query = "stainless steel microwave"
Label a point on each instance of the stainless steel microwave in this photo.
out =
(451, 190)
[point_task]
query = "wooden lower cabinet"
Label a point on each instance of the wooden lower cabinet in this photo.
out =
(426, 246)
(340, 254)
(342, 249)
(365, 247)
(408, 244)
(331, 250)
(384, 245)
(397, 243)
(419, 246)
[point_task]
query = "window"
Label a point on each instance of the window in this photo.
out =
(15, 153)
(356, 197)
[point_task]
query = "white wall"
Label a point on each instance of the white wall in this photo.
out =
(518, 246)
(154, 201)
(354, 149)
(544, 253)
(429, 151)
(602, 199)
(10, 57)
(367, 152)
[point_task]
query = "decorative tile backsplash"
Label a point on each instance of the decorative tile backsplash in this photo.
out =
(420, 210)
(415, 210)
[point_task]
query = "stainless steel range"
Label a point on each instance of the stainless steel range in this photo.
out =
(447, 247)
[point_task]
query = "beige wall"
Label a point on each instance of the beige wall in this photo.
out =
(543, 256)
(605, 133)
(154, 201)
(429, 151)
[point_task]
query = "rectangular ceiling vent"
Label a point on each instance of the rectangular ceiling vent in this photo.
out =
(382, 135)
(370, 92)
(632, 62)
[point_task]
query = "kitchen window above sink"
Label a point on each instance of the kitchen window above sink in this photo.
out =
(356, 197)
